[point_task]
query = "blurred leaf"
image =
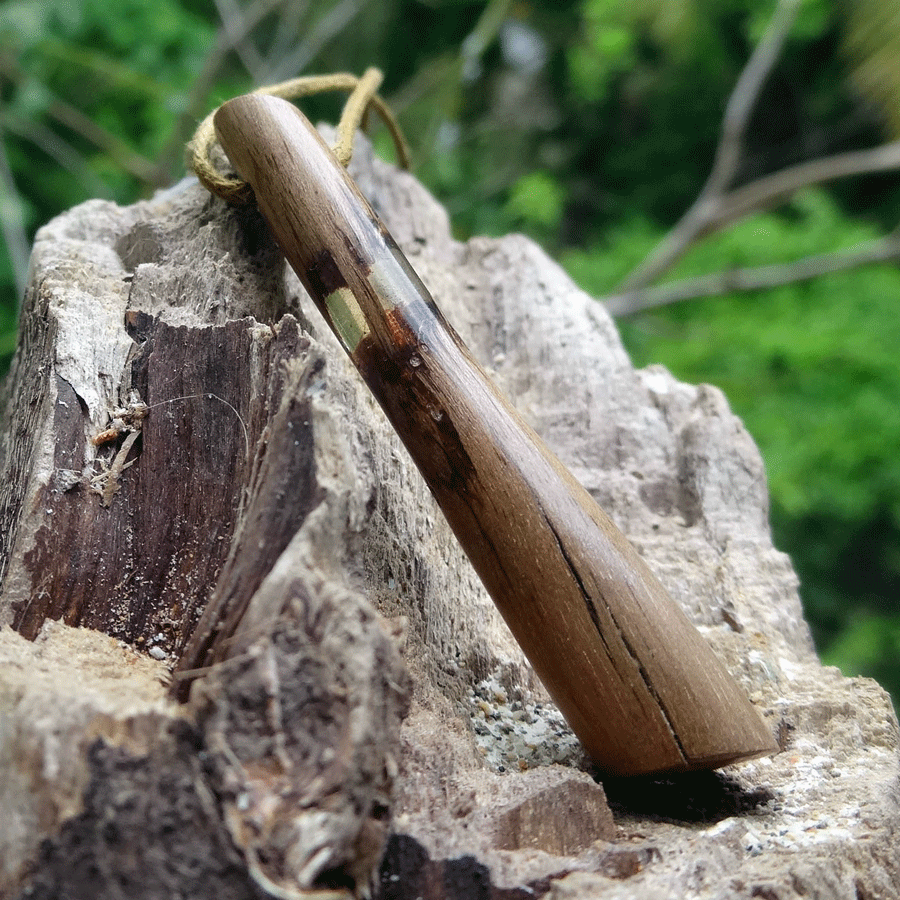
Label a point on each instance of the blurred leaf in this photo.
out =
(872, 40)
(605, 49)
(537, 199)
(813, 19)
(865, 642)
(870, 646)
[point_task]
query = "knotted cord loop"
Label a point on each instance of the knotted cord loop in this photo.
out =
(363, 97)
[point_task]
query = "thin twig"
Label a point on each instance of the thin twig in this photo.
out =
(231, 16)
(715, 208)
(745, 94)
(757, 278)
(75, 120)
(284, 37)
(325, 30)
(440, 80)
(215, 58)
(113, 147)
(485, 32)
(764, 192)
(728, 154)
(59, 150)
(12, 224)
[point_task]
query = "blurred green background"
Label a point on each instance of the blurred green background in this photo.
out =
(591, 125)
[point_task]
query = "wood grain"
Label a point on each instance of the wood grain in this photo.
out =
(636, 681)
(140, 568)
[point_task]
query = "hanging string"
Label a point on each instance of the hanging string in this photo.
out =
(201, 149)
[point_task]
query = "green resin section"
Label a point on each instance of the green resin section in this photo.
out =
(347, 318)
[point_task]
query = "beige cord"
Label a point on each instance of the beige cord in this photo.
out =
(362, 97)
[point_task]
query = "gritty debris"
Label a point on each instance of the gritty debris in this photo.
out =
(519, 734)
(126, 420)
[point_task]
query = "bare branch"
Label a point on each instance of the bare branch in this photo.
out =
(75, 120)
(58, 149)
(224, 44)
(737, 113)
(284, 36)
(715, 207)
(12, 225)
(765, 192)
(758, 278)
(115, 148)
(325, 30)
(233, 34)
(231, 16)
(744, 96)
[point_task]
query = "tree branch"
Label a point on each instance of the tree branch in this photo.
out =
(291, 18)
(75, 120)
(115, 148)
(765, 192)
(58, 149)
(744, 96)
(715, 207)
(231, 16)
(737, 114)
(234, 34)
(320, 34)
(757, 278)
(228, 35)
(12, 226)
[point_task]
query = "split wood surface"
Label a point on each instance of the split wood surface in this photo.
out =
(636, 681)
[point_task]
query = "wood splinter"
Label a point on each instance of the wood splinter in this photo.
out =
(636, 681)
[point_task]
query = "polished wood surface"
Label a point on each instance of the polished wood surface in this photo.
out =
(636, 681)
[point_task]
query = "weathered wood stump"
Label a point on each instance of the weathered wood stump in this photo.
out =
(180, 427)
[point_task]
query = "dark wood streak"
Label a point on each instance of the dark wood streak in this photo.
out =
(325, 277)
(636, 681)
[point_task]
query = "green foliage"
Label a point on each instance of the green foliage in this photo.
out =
(606, 48)
(537, 201)
(869, 644)
(124, 70)
(87, 89)
(812, 370)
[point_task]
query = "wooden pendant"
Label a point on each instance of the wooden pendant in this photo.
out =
(636, 681)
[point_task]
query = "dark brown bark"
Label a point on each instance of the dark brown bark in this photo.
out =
(140, 565)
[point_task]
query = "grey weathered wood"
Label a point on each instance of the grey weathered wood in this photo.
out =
(212, 475)
(91, 750)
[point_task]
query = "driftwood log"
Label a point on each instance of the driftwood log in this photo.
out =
(180, 426)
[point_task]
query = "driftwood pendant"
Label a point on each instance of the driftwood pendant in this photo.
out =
(637, 682)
